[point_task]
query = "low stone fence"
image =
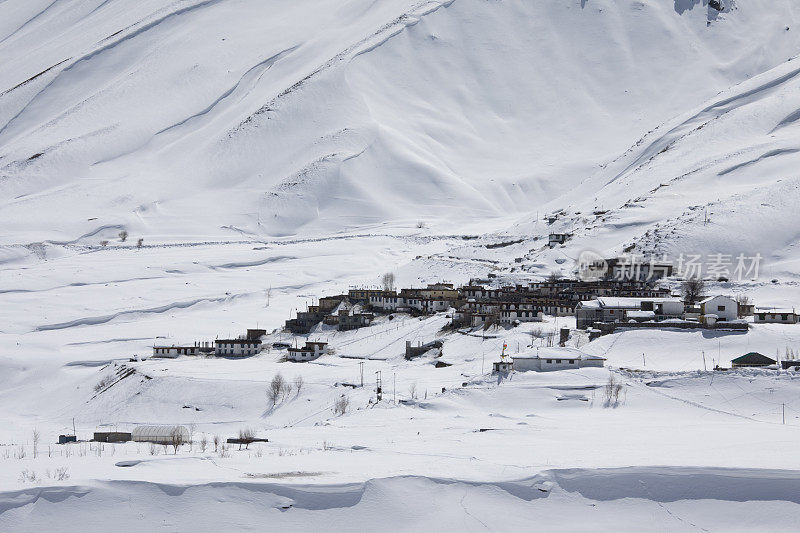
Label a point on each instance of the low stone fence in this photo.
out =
(607, 328)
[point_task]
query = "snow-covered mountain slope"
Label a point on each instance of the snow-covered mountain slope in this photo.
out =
(180, 119)
(720, 178)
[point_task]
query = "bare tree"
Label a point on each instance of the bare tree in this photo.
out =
(140, 242)
(412, 391)
(612, 389)
(192, 429)
(693, 289)
(276, 388)
(203, 443)
(176, 439)
(609, 388)
(246, 436)
(554, 277)
(341, 405)
(216, 443)
(36, 437)
(388, 281)
(123, 235)
(298, 383)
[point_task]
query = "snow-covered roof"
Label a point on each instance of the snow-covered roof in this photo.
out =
(555, 352)
(641, 314)
(706, 300)
(775, 310)
(619, 302)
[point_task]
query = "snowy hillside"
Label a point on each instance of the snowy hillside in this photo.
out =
(181, 119)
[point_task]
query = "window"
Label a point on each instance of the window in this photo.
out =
(784, 317)
(572, 361)
(720, 308)
(558, 361)
(549, 361)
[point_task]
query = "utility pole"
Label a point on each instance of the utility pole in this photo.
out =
(361, 367)
(643, 360)
(783, 413)
(704, 361)
(378, 385)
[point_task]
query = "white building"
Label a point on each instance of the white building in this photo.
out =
(171, 352)
(435, 305)
(522, 312)
(309, 352)
(556, 358)
(615, 309)
(775, 315)
(236, 347)
(724, 308)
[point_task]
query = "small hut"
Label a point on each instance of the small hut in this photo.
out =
(752, 359)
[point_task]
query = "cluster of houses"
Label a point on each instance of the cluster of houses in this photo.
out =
(474, 304)
(598, 306)
(247, 345)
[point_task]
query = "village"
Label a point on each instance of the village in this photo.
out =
(648, 297)
(576, 312)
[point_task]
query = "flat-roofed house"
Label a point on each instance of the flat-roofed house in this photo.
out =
(555, 358)
(775, 315)
(311, 351)
(236, 347)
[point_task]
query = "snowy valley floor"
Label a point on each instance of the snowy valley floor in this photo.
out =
(681, 448)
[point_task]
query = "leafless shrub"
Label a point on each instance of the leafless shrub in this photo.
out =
(123, 235)
(538, 333)
(176, 439)
(103, 383)
(388, 281)
(153, 448)
(224, 451)
(612, 390)
(421, 224)
(341, 405)
(28, 476)
(36, 436)
(139, 243)
(203, 443)
(216, 443)
(276, 388)
(246, 437)
(20, 453)
(412, 391)
(298, 383)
